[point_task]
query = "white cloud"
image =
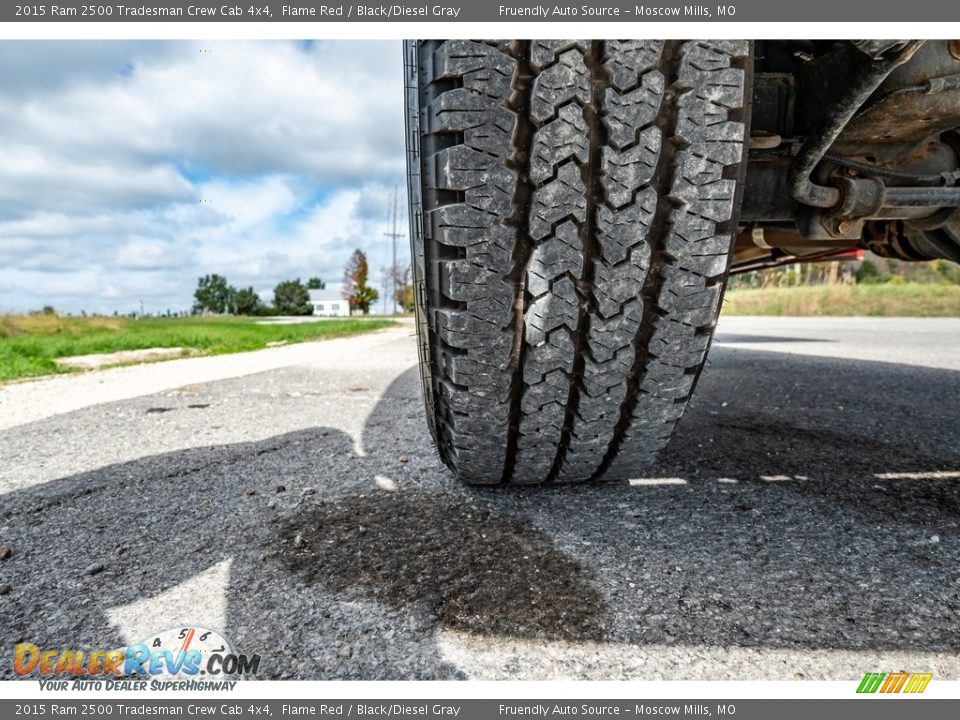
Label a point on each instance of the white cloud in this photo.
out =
(331, 112)
(151, 254)
(132, 168)
(31, 177)
(247, 204)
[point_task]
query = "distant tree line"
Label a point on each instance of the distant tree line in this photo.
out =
(290, 297)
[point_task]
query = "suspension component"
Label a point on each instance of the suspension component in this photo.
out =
(817, 143)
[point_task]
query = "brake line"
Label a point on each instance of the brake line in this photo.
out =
(877, 171)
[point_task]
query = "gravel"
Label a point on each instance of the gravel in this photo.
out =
(94, 568)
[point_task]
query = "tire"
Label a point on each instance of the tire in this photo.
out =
(573, 205)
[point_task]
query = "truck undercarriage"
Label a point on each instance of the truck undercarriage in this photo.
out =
(853, 145)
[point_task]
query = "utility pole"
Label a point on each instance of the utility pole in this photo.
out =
(394, 235)
(385, 287)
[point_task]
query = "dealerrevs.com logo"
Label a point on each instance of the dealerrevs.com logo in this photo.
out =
(898, 682)
(186, 658)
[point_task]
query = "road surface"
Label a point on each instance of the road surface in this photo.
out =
(803, 523)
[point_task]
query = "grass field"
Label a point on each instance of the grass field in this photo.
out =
(29, 344)
(883, 300)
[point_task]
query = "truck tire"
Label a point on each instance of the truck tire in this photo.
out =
(573, 205)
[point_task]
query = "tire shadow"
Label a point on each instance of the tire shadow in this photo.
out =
(830, 530)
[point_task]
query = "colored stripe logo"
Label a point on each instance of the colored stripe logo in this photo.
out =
(899, 682)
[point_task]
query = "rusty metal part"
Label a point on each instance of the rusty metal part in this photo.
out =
(918, 101)
(900, 122)
(888, 240)
(777, 259)
(940, 219)
(862, 197)
(953, 47)
(761, 247)
(767, 199)
(777, 237)
(900, 241)
(861, 87)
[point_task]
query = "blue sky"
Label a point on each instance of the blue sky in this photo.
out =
(132, 168)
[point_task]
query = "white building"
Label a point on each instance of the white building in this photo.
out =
(327, 305)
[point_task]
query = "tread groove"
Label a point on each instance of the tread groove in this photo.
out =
(519, 102)
(590, 176)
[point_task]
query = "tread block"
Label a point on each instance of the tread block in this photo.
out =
(559, 140)
(546, 52)
(564, 82)
(627, 114)
(558, 199)
(628, 60)
(627, 171)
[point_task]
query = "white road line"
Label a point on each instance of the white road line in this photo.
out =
(932, 475)
(657, 481)
(512, 658)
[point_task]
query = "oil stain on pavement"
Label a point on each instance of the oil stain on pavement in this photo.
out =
(454, 561)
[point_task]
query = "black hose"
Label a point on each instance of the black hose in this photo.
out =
(834, 121)
(876, 171)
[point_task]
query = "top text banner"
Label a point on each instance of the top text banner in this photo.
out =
(938, 11)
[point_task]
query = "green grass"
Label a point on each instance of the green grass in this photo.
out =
(886, 300)
(29, 344)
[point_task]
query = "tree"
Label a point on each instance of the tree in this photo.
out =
(867, 273)
(291, 298)
(945, 271)
(246, 302)
(214, 295)
(355, 288)
(316, 283)
(403, 288)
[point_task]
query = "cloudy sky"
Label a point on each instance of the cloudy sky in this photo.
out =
(131, 168)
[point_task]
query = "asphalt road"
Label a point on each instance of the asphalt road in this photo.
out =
(803, 523)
